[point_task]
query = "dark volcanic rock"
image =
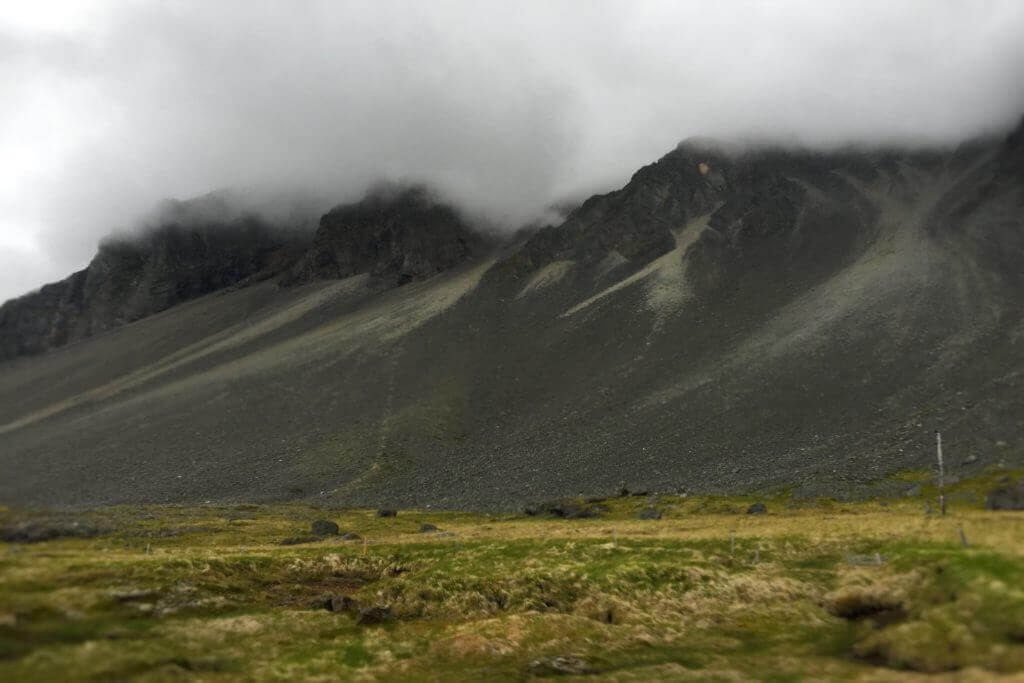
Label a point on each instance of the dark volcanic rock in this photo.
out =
(343, 603)
(350, 536)
(47, 530)
(133, 277)
(636, 222)
(298, 540)
(428, 529)
(564, 509)
(324, 527)
(387, 512)
(373, 615)
(395, 235)
(1006, 498)
(757, 509)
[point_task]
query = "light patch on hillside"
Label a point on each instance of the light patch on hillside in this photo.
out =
(894, 273)
(665, 276)
(610, 262)
(546, 276)
(227, 339)
(382, 319)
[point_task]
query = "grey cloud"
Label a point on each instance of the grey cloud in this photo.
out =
(505, 107)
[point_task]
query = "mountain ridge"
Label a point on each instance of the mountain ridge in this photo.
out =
(729, 322)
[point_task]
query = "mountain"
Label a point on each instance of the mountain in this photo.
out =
(397, 235)
(132, 277)
(730, 319)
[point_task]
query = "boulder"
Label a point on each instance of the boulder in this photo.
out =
(564, 509)
(387, 512)
(324, 527)
(649, 513)
(350, 536)
(1005, 498)
(428, 529)
(297, 540)
(342, 603)
(373, 615)
(757, 509)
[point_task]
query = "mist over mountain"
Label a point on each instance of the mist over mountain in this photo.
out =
(732, 318)
(505, 109)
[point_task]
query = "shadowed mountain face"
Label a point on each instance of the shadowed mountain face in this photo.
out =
(726, 321)
(396, 236)
(131, 278)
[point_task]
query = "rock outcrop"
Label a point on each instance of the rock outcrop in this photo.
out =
(395, 235)
(132, 277)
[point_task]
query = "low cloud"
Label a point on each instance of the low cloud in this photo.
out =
(506, 107)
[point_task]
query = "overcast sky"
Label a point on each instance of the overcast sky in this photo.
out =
(107, 107)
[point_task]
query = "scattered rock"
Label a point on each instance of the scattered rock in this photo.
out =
(168, 532)
(47, 530)
(297, 540)
(324, 527)
(559, 665)
(350, 536)
(387, 512)
(649, 513)
(757, 509)
(373, 615)
(323, 602)
(428, 529)
(343, 603)
(970, 459)
(564, 509)
(1007, 498)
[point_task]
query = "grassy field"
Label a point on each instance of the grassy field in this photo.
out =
(813, 590)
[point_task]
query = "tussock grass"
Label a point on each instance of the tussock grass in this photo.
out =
(705, 593)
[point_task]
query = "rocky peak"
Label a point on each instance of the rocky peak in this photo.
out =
(133, 276)
(636, 222)
(397, 235)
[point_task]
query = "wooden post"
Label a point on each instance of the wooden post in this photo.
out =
(942, 474)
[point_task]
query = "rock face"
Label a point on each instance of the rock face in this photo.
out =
(133, 277)
(395, 235)
(636, 224)
(730, 320)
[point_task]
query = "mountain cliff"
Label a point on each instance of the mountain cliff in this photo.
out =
(397, 235)
(133, 277)
(730, 319)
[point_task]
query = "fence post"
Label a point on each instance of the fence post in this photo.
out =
(942, 474)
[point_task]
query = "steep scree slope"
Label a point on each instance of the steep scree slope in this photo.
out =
(726, 321)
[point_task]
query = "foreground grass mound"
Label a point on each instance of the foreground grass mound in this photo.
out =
(806, 590)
